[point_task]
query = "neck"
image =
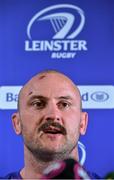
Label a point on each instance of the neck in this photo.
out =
(34, 167)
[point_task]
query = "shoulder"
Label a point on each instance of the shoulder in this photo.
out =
(13, 175)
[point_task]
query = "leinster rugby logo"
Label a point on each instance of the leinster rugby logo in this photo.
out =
(54, 30)
(82, 152)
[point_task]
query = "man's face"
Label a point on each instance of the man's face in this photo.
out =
(50, 116)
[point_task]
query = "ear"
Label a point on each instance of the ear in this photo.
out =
(83, 123)
(16, 123)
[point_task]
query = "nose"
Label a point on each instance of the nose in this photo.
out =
(52, 113)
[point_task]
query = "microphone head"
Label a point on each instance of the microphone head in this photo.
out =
(110, 175)
(67, 169)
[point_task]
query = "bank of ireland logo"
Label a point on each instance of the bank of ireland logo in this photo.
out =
(63, 43)
(100, 96)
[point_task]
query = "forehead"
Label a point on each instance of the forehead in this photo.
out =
(50, 84)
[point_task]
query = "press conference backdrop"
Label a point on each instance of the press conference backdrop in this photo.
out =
(75, 37)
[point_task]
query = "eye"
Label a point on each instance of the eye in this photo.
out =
(64, 104)
(38, 104)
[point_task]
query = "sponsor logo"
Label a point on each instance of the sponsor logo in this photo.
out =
(93, 97)
(9, 97)
(67, 21)
(82, 152)
(100, 96)
(97, 97)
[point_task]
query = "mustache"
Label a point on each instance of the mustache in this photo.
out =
(53, 124)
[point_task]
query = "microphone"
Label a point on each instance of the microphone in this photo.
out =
(67, 169)
(110, 175)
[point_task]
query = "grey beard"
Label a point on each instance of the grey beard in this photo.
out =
(45, 155)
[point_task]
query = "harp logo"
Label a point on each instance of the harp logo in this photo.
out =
(65, 22)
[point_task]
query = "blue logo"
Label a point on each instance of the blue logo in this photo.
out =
(99, 96)
(63, 22)
(82, 149)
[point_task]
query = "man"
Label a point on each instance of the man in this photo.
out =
(50, 120)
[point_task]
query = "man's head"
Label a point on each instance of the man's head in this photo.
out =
(50, 117)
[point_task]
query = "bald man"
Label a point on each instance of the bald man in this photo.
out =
(50, 119)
